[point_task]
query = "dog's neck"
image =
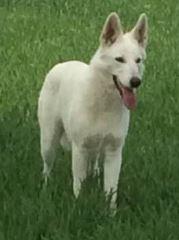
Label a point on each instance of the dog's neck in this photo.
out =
(101, 94)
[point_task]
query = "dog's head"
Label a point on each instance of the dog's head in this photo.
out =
(123, 54)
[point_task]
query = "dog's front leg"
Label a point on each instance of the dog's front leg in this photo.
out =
(79, 167)
(112, 166)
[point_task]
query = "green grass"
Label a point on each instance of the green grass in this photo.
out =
(34, 35)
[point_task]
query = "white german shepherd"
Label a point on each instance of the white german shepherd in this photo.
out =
(88, 106)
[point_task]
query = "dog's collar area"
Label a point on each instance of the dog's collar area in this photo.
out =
(116, 83)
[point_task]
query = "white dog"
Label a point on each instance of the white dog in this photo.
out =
(87, 106)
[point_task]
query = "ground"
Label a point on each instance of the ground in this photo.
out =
(35, 35)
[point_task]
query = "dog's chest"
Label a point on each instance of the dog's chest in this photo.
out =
(107, 130)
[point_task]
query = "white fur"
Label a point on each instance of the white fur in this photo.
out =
(80, 106)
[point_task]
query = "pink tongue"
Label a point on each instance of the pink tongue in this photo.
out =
(129, 98)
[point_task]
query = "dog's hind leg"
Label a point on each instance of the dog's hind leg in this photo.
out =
(50, 135)
(51, 129)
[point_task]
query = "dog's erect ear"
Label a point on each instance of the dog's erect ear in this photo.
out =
(111, 30)
(140, 31)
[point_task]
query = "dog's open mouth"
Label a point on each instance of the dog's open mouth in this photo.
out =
(127, 94)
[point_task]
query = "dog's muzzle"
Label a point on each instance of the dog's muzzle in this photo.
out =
(127, 93)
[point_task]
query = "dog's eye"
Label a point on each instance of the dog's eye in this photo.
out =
(138, 60)
(120, 59)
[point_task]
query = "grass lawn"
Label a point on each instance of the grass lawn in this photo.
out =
(35, 35)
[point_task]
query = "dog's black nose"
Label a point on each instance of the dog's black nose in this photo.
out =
(135, 82)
